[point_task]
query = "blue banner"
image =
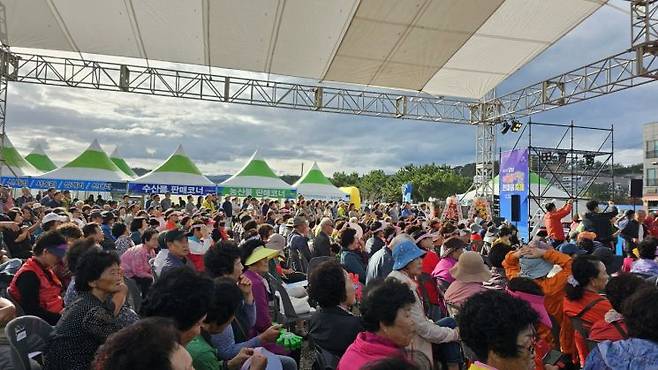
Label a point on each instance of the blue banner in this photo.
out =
(173, 189)
(71, 185)
(407, 189)
(514, 179)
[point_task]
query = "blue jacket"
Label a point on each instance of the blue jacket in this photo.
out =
(380, 265)
(353, 263)
(631, 354)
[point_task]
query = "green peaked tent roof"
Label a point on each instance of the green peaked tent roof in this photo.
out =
(93, 157)
(121, 163)
(178, 162)
(91, 165)
(315, 185)
(257, 167)
(14, 163)
(257, 174)
(40, 160)
(178, 169)
(314, 176)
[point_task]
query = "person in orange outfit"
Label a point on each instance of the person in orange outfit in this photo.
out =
(553, 221)
(535, 262)
(583, 299)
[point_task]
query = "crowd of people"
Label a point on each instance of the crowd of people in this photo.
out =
(209, 283)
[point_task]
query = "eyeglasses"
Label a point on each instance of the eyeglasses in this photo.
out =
(530, 347)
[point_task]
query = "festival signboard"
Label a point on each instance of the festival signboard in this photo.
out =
(515, 181)
(257, 192)
(173, 189)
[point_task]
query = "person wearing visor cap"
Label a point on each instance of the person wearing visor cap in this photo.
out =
(255, 258)
(407, 267)
(172, 218)
(452, 248)
(199, 241)
(35, 286)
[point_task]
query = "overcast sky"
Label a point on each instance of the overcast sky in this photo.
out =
(220, 137)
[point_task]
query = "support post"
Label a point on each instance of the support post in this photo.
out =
(485, 147)
(7, 63)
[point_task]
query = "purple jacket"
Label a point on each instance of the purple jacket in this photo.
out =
(261, 299)
(442, 269)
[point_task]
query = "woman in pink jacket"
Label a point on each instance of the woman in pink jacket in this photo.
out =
(386, 313)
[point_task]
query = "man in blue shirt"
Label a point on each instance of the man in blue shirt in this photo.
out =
(178, 247)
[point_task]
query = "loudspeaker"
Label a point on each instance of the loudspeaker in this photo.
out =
(636, 188)
(516, 208)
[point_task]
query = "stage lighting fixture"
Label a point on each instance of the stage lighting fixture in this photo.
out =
(547, 156)
(562, 157)
(516, 126)
(589, 160)
(505, 128)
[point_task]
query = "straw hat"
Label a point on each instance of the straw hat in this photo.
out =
(470, 268)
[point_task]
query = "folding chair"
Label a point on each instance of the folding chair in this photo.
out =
(289, 315)
(134, 293)
(27, 336)
(324, 360)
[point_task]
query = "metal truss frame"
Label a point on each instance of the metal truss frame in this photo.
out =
(567, 148)
(148, 80)
(485, 149)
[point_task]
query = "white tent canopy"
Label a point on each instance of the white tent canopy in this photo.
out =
(178, 169)
(315, 185)
(450, 47)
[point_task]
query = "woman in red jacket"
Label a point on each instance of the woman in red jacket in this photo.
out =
(583, 300)
(35, 286)
(613, 327)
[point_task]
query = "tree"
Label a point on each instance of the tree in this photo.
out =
(342, 179)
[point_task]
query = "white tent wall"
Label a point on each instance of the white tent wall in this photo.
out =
(319, 192)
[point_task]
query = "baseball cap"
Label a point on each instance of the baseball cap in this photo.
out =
(53, 217)
(173, 235)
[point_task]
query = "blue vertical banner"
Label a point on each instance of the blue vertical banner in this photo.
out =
(407, 189)
(514, 179)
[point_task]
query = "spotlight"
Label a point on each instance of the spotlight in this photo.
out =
(562, 157)
(505, 128)
(547, 157)
(589, 160)
(516, 125)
